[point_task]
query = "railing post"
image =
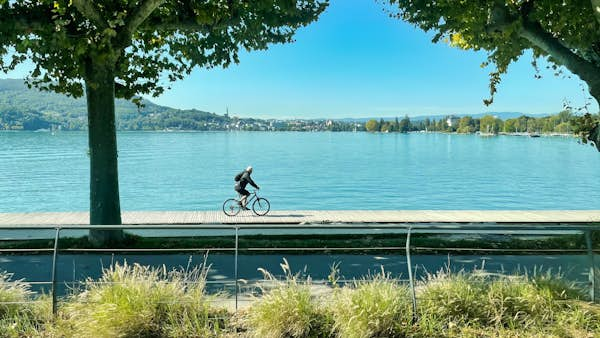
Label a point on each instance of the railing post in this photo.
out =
(236, 267)
(410, 276)
(54, 258)
(592, 273)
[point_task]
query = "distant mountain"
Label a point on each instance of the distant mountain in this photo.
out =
(500, 115)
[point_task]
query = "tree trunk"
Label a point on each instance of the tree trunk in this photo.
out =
(105, 206)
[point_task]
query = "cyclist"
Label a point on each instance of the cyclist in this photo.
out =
(242, 179)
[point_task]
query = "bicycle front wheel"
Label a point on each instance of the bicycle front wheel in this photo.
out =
(231, 207)
(261, 206)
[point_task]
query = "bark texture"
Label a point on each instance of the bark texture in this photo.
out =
(105, 207)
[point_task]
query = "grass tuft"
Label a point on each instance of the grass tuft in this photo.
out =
(468, 304)
(375, 306)
(139, 301)
(287, 308)
(448, 300)
(20, 314)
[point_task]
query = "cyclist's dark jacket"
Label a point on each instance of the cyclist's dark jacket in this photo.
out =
(244, 180)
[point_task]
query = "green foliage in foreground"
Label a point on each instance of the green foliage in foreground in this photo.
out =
(286, 309)
(20, 314)
(138, 301)
(373, 307)
(452, 305)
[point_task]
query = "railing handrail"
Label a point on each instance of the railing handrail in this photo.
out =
(410, 228)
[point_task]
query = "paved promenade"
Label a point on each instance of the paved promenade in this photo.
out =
(311, 217)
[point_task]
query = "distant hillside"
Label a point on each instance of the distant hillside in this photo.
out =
(14, 94)
(24, 108)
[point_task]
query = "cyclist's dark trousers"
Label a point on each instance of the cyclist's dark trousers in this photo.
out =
(241, 190)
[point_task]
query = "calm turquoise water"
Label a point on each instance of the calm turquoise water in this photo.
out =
(194, 171)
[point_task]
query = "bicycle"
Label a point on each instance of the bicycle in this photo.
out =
(260, 205)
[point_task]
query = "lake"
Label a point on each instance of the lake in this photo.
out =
(42, 171)
(195, 170)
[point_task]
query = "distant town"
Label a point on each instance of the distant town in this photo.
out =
(22, 108)
(559, 124)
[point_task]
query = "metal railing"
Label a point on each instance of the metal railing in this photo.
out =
(407, 229)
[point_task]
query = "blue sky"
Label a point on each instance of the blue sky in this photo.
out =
(355, 61)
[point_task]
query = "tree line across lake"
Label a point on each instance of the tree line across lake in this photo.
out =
(564, 122)
(22, 108)
(163, 118)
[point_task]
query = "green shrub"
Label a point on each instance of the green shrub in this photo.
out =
(447, 300)
(11, 294)
(517, 303)
(530, 300)
(286, 309)
(20, 314)
(576, 319)
(464, 305)
(556, 284)
(376, 306)
(138, 301)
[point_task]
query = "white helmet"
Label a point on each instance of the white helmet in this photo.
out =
(249, 169)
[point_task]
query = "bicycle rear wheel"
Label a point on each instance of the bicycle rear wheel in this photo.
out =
(231, 207)
(261, 206)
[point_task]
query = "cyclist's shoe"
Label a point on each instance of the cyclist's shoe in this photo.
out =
(244, 208)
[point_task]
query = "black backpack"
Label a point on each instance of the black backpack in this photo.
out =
(238, 177)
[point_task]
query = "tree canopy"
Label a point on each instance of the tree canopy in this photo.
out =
(150, 42)
(566, 33)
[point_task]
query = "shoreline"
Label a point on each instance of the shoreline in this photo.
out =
(523, 134)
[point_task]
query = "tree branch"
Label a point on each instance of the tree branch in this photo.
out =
(587, 71)
(88, 10)
(596, 9)
(537, 35)
(500, 18)
(134, 20)
(140, 15)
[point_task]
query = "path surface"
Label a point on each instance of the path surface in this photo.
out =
(313, 216)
